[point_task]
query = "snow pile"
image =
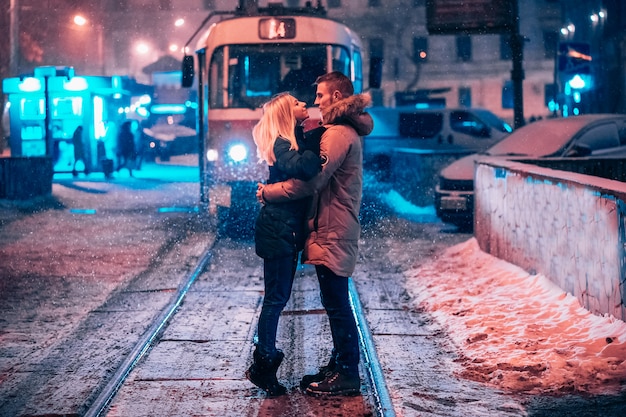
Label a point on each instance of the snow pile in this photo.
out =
(402, 207)
(517, 331)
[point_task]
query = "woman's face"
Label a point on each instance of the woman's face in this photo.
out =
(300, 111)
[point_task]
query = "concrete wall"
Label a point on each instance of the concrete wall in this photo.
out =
(567, 226)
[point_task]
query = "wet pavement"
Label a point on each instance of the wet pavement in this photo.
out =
(85, 273)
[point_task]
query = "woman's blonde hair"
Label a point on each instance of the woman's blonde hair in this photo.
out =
(277, 120)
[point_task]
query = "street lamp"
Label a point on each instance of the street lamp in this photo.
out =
(82, 21)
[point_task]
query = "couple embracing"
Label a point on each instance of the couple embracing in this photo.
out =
(311, 202)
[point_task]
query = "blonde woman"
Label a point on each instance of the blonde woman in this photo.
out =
(280, 227)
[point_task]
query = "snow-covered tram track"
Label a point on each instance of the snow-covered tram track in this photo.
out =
(102, 402)
(375, 390)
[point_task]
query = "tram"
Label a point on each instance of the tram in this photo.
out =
(241, 61)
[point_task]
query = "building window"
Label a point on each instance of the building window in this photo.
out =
(373, 3)
(550, 92)
(550, 43)
(420, 49)
(209, 4)
(507, 95)
(464, 48)
(334, 4)
(505, 48)
(465, 97)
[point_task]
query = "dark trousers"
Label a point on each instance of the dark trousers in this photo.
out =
(343, 328)
(278, 278)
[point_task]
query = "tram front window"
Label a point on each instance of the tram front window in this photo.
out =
(257, 72)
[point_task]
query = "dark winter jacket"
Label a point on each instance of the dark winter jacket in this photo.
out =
(280, 227)
(333, 222)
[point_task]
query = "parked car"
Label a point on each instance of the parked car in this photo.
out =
(578, 136)
(464, 130)
(165, 140)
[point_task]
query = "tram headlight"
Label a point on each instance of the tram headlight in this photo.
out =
(238, 152)
(212, 155)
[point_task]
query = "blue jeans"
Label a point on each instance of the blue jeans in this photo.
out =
(278, 277)
(343, 328)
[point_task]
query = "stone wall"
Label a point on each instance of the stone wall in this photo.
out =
(567, 226)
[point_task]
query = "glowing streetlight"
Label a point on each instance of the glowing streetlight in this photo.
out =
(142, 48)
(80, 20)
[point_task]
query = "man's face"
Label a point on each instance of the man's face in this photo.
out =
(324, 97)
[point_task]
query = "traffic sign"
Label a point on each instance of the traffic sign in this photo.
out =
(575, 58)
(450, 17)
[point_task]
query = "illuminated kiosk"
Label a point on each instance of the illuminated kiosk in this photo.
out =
(47, 106)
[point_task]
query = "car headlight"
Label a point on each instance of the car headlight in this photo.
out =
(238, 152)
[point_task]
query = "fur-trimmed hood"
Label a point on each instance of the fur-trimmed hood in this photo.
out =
(351, 111)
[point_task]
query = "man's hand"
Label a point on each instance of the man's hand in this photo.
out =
(259, 193)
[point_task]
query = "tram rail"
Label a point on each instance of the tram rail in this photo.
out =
(376, 392)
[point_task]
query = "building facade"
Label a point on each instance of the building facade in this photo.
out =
(464, 70)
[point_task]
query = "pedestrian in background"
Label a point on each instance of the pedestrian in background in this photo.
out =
(79, 151)
(280, 227)
(333, 227)
(126, 151)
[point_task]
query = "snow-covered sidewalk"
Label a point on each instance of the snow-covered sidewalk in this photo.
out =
(516, 331)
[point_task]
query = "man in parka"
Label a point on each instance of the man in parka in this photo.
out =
(333, 224)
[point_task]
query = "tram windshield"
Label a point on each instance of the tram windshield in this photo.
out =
(246, 76)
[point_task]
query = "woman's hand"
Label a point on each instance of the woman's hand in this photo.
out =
(259, 193)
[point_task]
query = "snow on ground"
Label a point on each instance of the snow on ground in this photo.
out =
(513, 330)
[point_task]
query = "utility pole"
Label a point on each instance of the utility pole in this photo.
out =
(517, 72)
(14, 37)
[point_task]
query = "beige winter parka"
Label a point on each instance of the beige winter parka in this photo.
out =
(333, 220)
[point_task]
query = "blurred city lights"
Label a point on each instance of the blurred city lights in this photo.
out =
(76, 84)
(30, 84)
(577, 82)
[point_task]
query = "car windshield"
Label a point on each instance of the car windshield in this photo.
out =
(541, 138)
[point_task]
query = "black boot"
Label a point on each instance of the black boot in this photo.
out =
(262, 373)
(324, 371)
(336, 383)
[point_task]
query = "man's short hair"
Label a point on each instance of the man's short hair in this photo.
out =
(337, 81)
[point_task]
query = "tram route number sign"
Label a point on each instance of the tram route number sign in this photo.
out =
(471, 17)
